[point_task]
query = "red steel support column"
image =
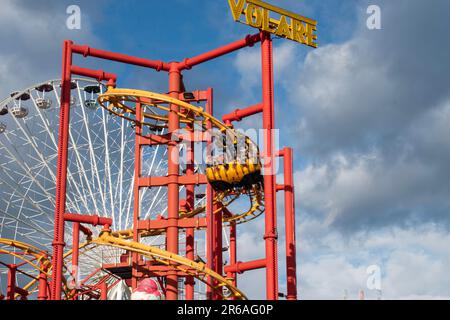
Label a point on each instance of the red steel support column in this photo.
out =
(233, 256)
(289, 204)
(104, 290)
(61, 176)
(136, 194)
(190, 202)
(190, 283)
(42, 286)
(217, 245)
(173, 187)
(209, 200)
(269, 178)
(11, 288)
(216, 234)
(75, 251)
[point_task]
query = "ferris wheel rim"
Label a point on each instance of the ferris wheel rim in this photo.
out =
(18, 93)
(19, 125)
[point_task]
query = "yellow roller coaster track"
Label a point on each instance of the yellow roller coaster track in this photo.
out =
(42, 264)
(170, 259)
(117, 240)
(37, 254)
(115, 99)
(122, 103)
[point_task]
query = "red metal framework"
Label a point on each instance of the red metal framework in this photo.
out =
(173, 224)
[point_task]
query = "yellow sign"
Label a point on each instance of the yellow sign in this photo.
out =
(256, 13)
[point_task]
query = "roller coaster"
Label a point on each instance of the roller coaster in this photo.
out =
(136, 212)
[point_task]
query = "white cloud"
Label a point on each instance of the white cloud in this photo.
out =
(413, 262)
(32, 42)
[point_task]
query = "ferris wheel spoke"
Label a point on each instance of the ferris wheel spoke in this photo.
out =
(29, 137)
(31, 140)
(16, 228)
(14, 184)
(22, 210)
(130, 198)
(100, 140)
(83, 174)
(41, 211)
(77, 154)
(107, 163)
(123, 197)
(93, 159)
(28, 223)
(25, 169)
(119, 185)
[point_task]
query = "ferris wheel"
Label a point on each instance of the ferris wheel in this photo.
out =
(100, 171)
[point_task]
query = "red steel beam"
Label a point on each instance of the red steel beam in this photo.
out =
(42, 286)
(75, 251)
(135, 257)
(233, 252)
(241, 267)
(11, 284)
(93, 273)
(209, 200)
(194, 179)
(195, 223)
(86, 231)
(289, 204)
(248, 41)
(270, 235)
(61, 172)
(238, 115)
(108, 55)
(189, 282)
(190, 203)
(159, 65)
(88, 219)
(104, 290)
(155, 139)
(217, 245)
(12, 289)
(99, 75)
(173, 186)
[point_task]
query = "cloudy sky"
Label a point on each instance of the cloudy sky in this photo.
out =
(367, 113)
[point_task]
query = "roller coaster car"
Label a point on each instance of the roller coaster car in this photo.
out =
(228, 171)
(228, 176)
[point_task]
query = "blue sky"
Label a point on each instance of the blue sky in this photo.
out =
(367, 113)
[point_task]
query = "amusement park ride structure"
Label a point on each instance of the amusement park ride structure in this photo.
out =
(254, 177)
